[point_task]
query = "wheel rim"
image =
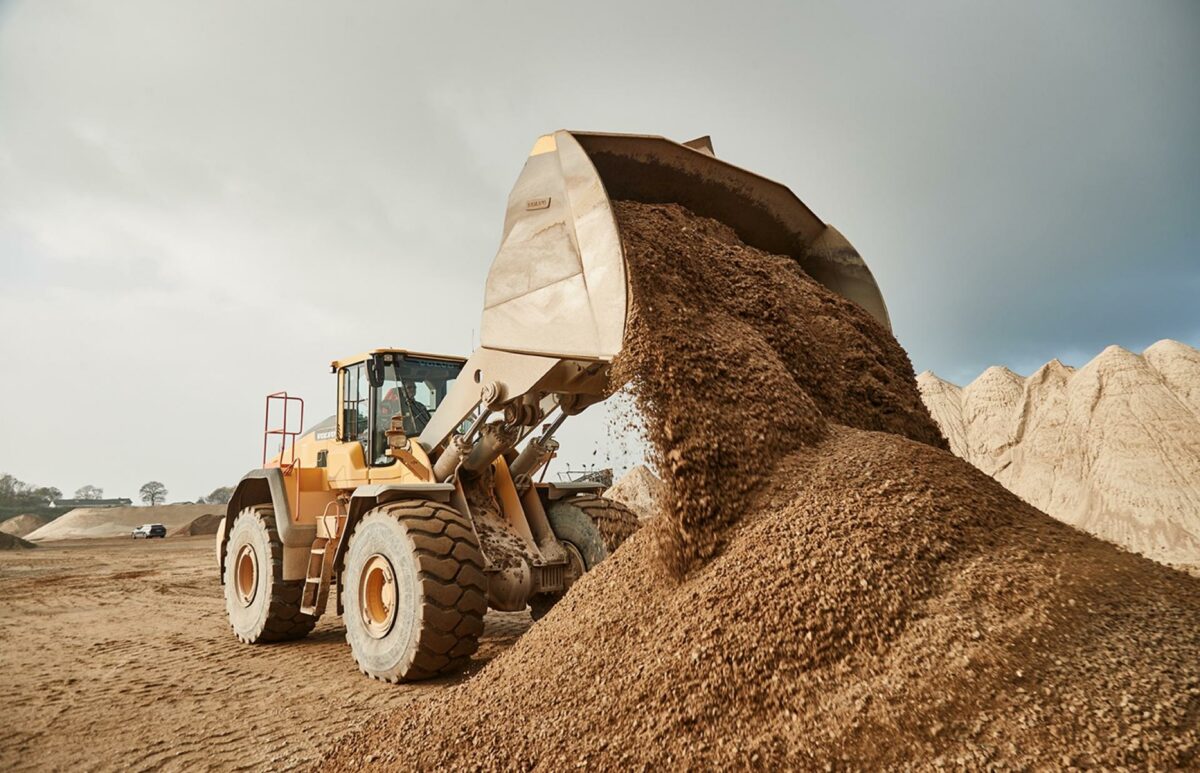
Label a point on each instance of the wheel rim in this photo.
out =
(247, 574)
(575, 565)
(377, 599)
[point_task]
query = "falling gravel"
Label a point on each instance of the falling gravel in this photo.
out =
(827, 586)
(735, 358)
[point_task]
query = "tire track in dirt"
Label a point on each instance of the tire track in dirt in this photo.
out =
(117, 654)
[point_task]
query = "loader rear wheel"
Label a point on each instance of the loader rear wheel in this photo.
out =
(591, 528)
(415, 592)
(262, 606)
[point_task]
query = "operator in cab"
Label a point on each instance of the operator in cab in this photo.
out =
(416, 409)
(416, 414)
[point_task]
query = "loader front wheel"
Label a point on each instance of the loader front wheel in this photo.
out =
(262, 606)
(414, 590)
(591, 528)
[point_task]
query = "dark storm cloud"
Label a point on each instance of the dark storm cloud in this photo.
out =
(204, 202)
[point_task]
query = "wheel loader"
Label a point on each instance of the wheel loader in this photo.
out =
(418, 502)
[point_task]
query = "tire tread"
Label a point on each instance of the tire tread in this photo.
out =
(285, 621)
(615, 521)
(453, 587)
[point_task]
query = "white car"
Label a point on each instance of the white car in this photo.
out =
(150, 531)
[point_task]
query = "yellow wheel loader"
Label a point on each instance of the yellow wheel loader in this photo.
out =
(417, 500)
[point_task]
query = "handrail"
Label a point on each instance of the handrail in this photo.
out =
(283, 430)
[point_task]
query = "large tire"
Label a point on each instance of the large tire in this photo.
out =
(592, 528)
(414, 591)
(262, 606)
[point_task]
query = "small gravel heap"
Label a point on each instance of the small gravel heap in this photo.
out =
(13, 542)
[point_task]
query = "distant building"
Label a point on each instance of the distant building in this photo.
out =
(70, 503)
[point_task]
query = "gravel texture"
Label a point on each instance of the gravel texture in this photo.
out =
(827, 587)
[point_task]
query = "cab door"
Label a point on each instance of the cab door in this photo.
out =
(346, 462)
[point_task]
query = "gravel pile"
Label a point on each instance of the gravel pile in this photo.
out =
(640, 490)
(827, 586)
(208, 523)
(13, 542)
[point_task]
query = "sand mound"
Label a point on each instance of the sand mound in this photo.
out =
(886, 605)
(13, 542)
(640, 490)
(99, 522)
(22, 525)
(205, 524)
(1112, 448)
(869, 600)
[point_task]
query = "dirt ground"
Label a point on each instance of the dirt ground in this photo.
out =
(116, 654)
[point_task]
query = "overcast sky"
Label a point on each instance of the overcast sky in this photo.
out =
(202, 202)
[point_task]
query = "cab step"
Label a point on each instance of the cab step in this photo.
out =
(319, 574)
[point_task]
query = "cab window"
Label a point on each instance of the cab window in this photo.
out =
(355, 403)
(412, 389)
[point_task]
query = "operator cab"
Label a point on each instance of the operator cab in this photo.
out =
(374, 387)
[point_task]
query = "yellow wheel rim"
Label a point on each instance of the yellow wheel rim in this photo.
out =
(246, 574)
(377, 596)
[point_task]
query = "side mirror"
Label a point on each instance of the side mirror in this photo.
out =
(375, 370)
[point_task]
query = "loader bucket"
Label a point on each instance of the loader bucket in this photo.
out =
(558, 286)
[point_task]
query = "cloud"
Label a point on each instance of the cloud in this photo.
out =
(204, 202)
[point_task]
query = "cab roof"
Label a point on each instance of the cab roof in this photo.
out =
(346, 361)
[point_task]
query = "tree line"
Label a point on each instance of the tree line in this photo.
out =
(17, 493)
